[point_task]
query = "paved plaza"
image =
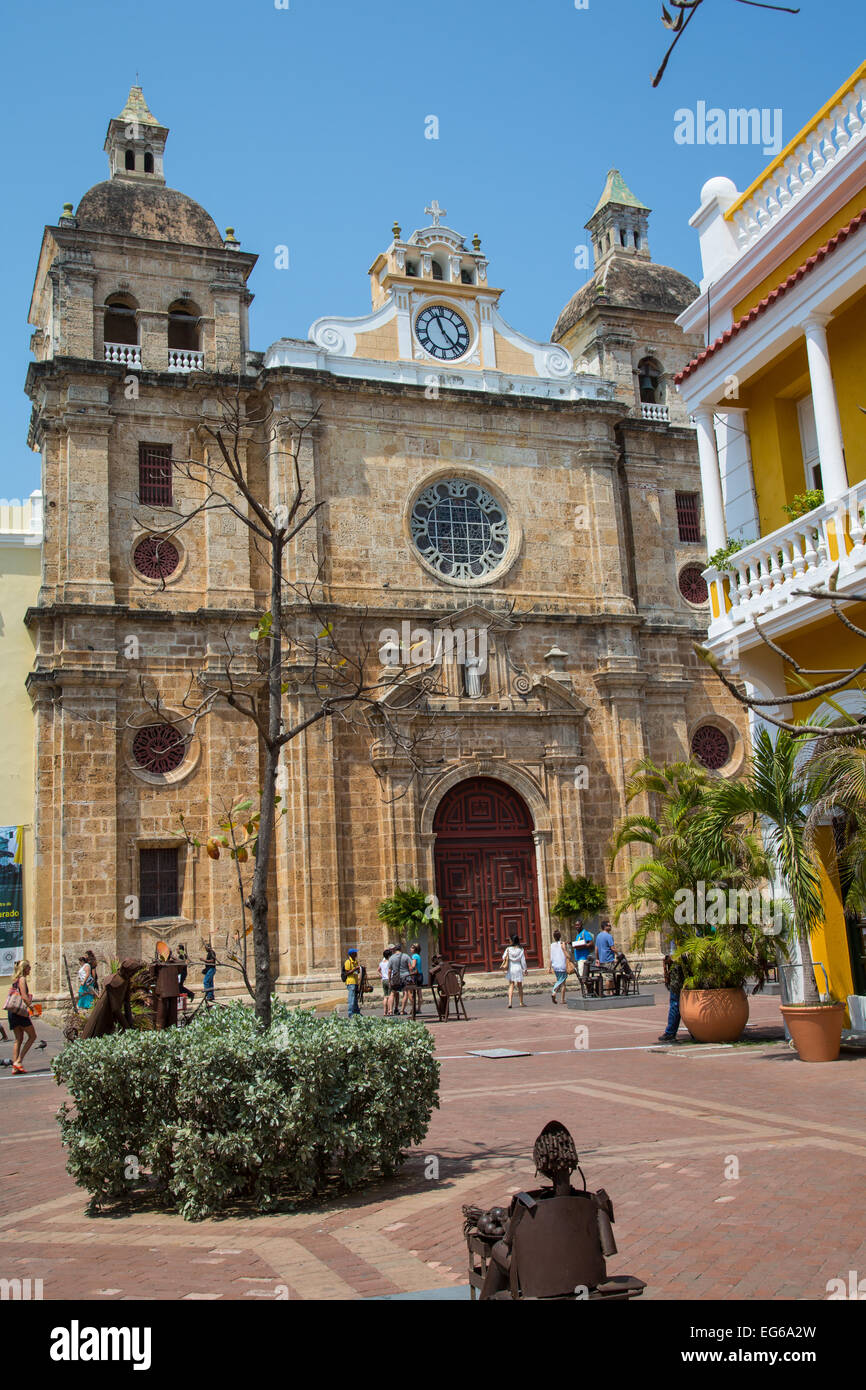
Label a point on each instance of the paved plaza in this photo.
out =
(735, 1173)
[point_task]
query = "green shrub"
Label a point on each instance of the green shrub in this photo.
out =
(579, 897)
(221, 1111)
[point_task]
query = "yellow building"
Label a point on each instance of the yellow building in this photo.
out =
(20, 563)
(779, 400)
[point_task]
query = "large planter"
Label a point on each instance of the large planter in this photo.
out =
(816, 1030)
(714, 1015)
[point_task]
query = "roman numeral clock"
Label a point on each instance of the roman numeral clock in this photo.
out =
(442, 332)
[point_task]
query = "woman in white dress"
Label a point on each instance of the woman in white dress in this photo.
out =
(514, 964)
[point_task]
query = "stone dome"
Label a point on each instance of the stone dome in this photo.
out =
(148, 210)
(629, 282)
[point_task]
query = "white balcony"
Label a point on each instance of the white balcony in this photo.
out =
(184, 360)
(127, 354)
(766, 578)
(660, 413)
(834, 131)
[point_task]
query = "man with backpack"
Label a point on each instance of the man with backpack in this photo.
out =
(400, 970)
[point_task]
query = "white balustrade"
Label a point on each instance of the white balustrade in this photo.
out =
(127, 354)
(826, 142)
(655, 412)
(184, 360)
(770, 574)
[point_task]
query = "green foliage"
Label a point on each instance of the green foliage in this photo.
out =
(579, 897)
(224, 1112)
(803, 502)
(726, 956)
(410, 909)
(721, 558)
(684, 855)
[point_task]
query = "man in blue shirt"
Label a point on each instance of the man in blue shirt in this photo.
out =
(605, 954)
(604, 951)
(582, 948)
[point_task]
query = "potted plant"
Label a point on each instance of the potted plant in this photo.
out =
(579, 897)
(776, 794)
(689, 888)
(716, 963)
(411, 914)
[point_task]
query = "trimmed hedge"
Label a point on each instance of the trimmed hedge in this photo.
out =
(221, 1111)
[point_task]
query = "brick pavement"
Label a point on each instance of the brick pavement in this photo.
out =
(661, 1129)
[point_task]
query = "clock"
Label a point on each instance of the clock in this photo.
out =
(442, 332)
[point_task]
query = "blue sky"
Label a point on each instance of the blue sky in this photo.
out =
(306, 127)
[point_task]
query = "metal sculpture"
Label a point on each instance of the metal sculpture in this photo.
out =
(553, 1241)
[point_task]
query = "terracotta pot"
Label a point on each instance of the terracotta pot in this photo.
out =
(714, 1015)
(816, 1030)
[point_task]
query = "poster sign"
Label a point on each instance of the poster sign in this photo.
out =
(11, 904)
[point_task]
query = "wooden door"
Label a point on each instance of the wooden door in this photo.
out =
(485, 874)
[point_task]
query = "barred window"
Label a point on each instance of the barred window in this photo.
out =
(154, 475)
(688, 516)
(158, 883)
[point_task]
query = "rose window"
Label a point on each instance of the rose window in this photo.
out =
(711, 746)
(693, 586)
(459, 529)
(156, 558)
(159, 748)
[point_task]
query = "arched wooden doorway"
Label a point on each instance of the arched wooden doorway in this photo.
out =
(485, 873)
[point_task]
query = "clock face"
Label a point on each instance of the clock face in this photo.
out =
(442, 332)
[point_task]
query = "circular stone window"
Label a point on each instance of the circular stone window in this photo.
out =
(711, 747)
(156, 558)
(159, 748)
(459, 529)
(693, 586)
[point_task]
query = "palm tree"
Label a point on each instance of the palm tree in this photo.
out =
(681, 859)
(776, 794)
(836, 780)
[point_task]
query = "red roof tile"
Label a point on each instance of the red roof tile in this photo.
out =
(793, 279)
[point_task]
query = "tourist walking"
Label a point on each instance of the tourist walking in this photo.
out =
(210, 965)
(19, 1003)
(400, 971)
(386, 983)
(94, 971)
(352, 978)
(581, 948)
(673, 973)
(87, 987)
(558, 967)
(514, 964)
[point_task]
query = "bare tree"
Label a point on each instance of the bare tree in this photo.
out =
(802, 676)
(686, 10)
(301, 640)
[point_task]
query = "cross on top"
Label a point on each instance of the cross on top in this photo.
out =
(436, 212)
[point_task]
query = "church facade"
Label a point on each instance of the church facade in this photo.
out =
(530, 510)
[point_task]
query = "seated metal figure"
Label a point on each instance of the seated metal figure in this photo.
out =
(555, 1239)
(113, 1009)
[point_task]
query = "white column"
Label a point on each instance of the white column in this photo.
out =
(827, 425)
(711, 482)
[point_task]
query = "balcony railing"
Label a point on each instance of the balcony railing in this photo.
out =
(184, 360)
(127, 354)
(809, 157)
(767, 576)
(661, 413)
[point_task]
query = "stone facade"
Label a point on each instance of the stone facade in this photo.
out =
(589, 641)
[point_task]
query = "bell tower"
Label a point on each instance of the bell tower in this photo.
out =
(135, 143)
(620, 224)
